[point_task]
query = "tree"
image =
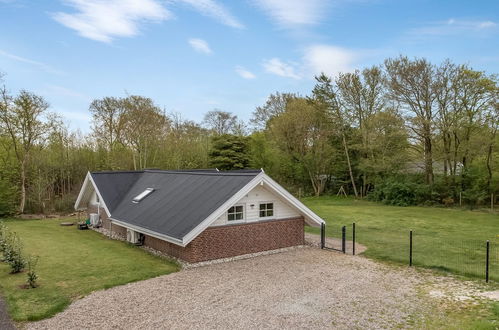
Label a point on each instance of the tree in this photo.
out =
(474, 92)
(144, 127)
(411, 85)
(326, 94)
(220, 122)
(303, 132)
(275, 105)
(21, 119)
(362, 95)
(229, 152)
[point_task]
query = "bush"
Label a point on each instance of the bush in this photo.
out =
(404, 193)
(32, 276)
(12, 253)
(3, 237)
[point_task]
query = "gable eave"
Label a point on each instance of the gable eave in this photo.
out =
(310, 217)
(87, 183)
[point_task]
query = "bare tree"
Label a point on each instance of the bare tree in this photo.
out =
(20, 118)
(220, 122)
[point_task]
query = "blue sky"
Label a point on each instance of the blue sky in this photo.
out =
(192, 56)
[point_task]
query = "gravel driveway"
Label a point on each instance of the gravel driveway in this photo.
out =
(300, 288)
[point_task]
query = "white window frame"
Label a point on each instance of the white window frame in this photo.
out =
(267, 216)
(236, 220)
(142, 195)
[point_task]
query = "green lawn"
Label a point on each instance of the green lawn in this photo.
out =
(446, 239)
(72, 264)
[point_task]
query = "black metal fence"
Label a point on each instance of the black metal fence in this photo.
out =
(471, 258)
(343, 244)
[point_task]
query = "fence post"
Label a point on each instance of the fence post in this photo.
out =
(353, 238)
(343, 239)
(323, 235)
(410, 248)
(487, 263)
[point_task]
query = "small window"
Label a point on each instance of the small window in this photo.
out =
(266, 210)
(96, 198)
(235, 213)
(142, 195)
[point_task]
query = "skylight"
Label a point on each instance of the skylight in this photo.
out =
(143, 195)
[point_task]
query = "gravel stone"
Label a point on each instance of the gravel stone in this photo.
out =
(295, 289)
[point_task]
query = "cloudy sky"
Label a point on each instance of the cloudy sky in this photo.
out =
(192, 56)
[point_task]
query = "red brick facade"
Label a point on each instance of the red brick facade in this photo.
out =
(233, 240)
(227, 241)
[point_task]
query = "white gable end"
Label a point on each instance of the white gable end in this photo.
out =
(251, 207)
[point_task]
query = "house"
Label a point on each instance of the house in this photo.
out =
(197, 215)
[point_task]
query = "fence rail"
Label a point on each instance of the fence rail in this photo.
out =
(471, 258)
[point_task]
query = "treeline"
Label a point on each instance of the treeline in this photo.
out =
(404, 132)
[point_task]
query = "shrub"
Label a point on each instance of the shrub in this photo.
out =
(32, 276)
(404, 193)
(13, 253)
(3, 237)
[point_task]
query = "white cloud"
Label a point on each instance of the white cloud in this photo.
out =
(200, 45)
(214, 10)
(486, 24)
(294, 12)
(329, 59)
(245, 73)
(280, 68)
(454, 26)
(105, 20)
(40, 65)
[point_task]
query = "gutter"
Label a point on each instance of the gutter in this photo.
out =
(148, 232)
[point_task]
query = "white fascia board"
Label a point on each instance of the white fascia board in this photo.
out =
(308, 213)
(84, 187)
(222, 209)
(149, 232)
(82, 191)
(101, 200)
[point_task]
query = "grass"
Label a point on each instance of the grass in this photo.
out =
(450, 240)
(72, 264)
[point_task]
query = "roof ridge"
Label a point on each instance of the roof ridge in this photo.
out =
(203, 173)
(117, 171)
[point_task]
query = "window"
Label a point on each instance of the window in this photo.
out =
(266, 210)
(142, 195)
(235, 213)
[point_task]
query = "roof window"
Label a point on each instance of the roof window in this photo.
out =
(143, 195)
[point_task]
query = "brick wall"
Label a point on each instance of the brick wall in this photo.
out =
(233, 240)
(224, 241)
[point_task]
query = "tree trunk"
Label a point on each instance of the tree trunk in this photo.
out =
(428, 155)
(349, 164)
(23, 186)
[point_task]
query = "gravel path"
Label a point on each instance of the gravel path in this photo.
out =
(301, 288)
(335, 243)
(5, 322)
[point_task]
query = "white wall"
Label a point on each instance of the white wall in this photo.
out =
(252, 214)
(93, 197)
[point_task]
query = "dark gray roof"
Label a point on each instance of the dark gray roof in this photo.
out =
(181, 199)
(114, 185)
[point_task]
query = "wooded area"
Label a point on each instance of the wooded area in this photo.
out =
(405, 132)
